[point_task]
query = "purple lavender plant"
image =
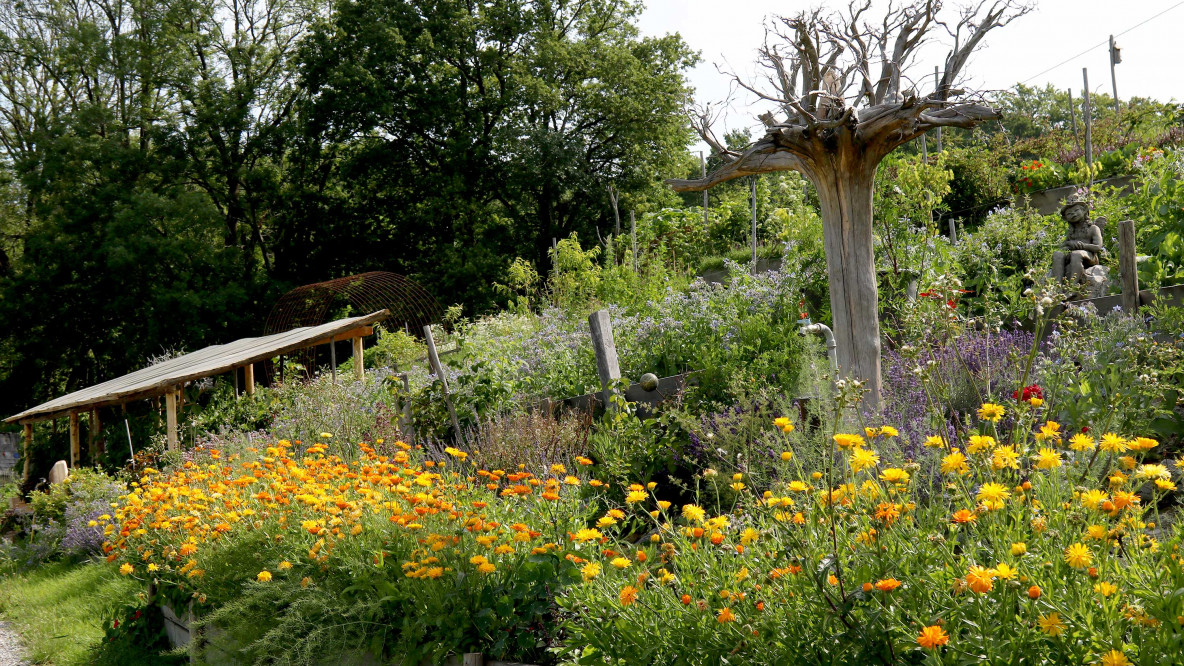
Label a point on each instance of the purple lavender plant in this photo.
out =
(989, 361)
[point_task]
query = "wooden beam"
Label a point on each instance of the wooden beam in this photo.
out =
(28, 449)
(170, 400)
(75, 444)
(359, 361)
(249, 378)
(360, 332)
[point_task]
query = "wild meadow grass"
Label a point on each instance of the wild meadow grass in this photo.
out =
(60, 611)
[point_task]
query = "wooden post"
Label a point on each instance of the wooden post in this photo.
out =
(633, 233)
(1087, 115)
(1073, 118)
(703, 173)
(473, 659)
(333, 358)
(92, 431)
(359, 361)
(249, 378)
(606, 353)
(438, 368)
(28, 450)
(1128, 267)
(953, 231)
(937, 84)
(75, 448)
(170, 402)
(753, 200)
(924, 150)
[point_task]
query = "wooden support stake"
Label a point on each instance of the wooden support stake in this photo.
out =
(28, 450)
(249, 378)
(75, 445)
(170, 402)
(1073, 118)
(953, 231)
(1128, 267)
(333, 359)
(437, 368)
(359, 361)
(606, 353)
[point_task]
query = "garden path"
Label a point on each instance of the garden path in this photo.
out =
(11, 650)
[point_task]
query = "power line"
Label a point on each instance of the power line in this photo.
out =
(1103, 43)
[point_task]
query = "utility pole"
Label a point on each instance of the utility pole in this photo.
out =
(1115, 58)
(1087, 114)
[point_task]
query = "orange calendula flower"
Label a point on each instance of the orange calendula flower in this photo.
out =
(628, 595)
(726, 615)
(887, 584)
(932, 637)
(784, 424)
(263, 576)
(980, 579)
(963, 516)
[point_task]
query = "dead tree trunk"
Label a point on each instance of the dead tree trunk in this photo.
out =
(846, 201)
(838, 148)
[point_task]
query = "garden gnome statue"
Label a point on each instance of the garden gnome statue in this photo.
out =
(1083, 244)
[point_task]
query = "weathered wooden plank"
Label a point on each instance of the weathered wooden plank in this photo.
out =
(437, 368)
(1128, 267)
(605, 349)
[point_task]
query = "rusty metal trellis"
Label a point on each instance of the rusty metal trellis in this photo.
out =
(410, 305)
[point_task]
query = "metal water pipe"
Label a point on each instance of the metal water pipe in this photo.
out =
(828, 337)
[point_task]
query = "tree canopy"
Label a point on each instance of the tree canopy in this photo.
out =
(167, 169)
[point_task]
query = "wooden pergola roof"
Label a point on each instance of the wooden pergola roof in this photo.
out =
(163, 378)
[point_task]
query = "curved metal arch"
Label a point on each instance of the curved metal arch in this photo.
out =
(410, 305)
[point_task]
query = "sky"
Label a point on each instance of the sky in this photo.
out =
(727, 34)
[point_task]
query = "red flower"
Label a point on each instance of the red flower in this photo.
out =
(1029, 392)
(951, 303)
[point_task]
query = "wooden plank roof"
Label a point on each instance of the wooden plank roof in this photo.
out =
(156, 380)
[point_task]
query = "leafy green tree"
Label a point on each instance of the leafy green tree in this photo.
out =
(445, 137)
